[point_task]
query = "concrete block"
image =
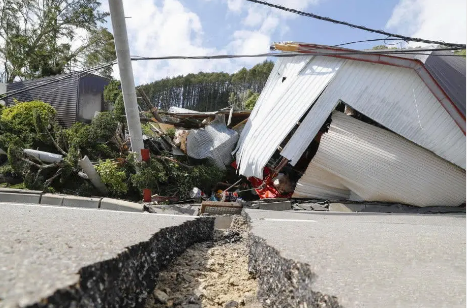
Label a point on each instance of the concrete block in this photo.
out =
(20, 197)
(276, 206)
(312, 207)
(51, 199)
(75, 201)
(341, 207)
(222, 222)
(120, 205)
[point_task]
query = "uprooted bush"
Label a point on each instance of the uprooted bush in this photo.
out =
(17, 123)
(33, 125)
(168, 177)
(113, 177)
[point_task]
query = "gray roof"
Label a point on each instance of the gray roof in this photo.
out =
(60, 91)
(449, 72)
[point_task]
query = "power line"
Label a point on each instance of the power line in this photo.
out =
(405, 38)
(57, 79)
(262, 55)
(372, 40)
(295, 54)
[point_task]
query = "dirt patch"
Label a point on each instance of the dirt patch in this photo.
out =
(210, 274)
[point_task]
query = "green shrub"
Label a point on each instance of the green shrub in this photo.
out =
(113, 176)
(119, 107)
(112, 91)
(103, 127)
(171, 132)
(20, 115)
(18, 123)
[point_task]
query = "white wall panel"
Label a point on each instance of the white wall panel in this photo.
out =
(394, 97)
(359, 160)
(279, 108)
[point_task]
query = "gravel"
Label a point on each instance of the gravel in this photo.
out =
(210, 274)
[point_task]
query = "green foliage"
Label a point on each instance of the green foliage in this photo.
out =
(17, 123)
(460, 52)
(101, 51)
(171, 132)
(149, 175)
(251, 101)
(92, 139)
(169, 178)
(146, 128)
(21, 115)
(103, 127)
(113, 176)
(7, 169)
(207, 91)
(380, 47)
(112, 91)
(78, 135)
(119, 107)
(37, 36)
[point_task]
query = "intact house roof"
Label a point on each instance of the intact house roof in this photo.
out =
(400, 93)
(75, 96)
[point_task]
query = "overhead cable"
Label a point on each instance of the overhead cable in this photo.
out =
(309, 52)
(405, 38)
(295, 54)
(372, 40)
(56, 79)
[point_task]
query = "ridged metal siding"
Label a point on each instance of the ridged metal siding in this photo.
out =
(394, 97)
(449, 72)
(281, 104)
(359, 161)
(62, 94)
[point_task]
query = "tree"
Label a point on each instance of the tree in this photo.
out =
(460, 52)
(251, 101)
(208, 91)
(36, 36)
(380, 47)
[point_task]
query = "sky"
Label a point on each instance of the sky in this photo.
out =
(210, 27)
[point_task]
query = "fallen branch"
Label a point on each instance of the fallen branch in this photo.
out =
(49, 181)
(56, 144)
(41, 167)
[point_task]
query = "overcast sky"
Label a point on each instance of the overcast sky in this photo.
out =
(208, 27)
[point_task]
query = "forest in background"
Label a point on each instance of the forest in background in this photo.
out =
(210, 91)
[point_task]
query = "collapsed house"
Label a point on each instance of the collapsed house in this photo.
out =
(409, 148)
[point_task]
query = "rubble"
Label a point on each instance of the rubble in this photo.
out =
(211, 274)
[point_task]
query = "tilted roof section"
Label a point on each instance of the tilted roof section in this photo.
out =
(444, 75)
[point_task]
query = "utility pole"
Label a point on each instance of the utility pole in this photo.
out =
(117, 15)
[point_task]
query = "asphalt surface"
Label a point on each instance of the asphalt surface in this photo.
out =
(374, 260)
(43, 247)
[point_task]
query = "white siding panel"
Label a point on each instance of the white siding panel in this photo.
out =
(394, 97)
(284, 67)
(279, 110)
(360, 161)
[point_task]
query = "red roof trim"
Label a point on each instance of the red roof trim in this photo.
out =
(459, 118)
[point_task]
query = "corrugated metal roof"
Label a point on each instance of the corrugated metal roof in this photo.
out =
(435, 82)
(359, 161)
(280, 106)
(449, 72)
(62, 94)
(394, 97)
